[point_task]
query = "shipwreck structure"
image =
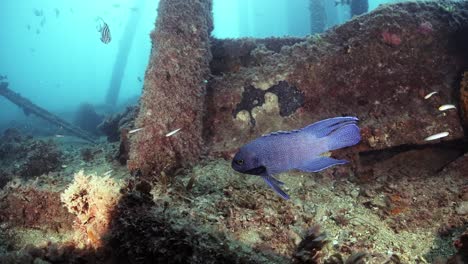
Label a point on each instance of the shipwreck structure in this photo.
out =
(222, 93)
(30, 108)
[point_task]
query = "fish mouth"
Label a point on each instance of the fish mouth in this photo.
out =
(256, 171)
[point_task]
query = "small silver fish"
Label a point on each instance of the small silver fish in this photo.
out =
(135, 130)
(447, 107)
(173, 132)
(436, 136)
(429, 95)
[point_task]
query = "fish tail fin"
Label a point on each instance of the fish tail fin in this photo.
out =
(345, 136)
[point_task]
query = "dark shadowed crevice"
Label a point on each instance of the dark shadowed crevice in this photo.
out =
(290, 98)
(445, 153)
(251, 97)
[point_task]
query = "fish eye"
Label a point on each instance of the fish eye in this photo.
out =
(240, 162)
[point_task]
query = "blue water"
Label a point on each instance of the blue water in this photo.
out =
(66, 64)
(62, 63)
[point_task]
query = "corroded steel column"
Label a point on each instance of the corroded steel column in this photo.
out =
(174, 89)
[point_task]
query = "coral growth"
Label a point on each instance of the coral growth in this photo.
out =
(26, 156)
(29, 205)
(42, 157)
(91, 199)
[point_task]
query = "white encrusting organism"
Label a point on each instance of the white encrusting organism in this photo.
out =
(436, 136)
(429, 95)
(173, 132)
(447, 107)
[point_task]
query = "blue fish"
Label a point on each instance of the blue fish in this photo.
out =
(301, 149)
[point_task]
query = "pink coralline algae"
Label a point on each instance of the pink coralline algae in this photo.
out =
(391, 38)
(425, 28)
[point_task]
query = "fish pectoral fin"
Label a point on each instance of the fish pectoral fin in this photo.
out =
(274, 185)
(320, 163)
(276, 181)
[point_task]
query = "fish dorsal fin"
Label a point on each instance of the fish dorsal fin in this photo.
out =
(281, 132)
(321, 128)
(327, 126)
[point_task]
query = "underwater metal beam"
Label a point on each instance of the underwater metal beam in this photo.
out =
(30, 108)
(174, 90)
(125, 45)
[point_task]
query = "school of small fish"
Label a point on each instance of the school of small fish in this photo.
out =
(442, 108)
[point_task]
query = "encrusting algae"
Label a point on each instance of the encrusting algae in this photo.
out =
(91, 199)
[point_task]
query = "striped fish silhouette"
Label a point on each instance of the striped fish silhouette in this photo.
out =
(105, 33)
